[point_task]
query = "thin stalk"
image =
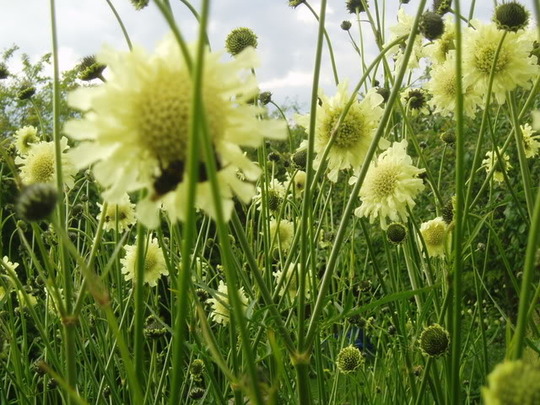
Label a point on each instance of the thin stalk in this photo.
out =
(457, 279)
(340, 234)
(528, 273)
(138, 336)
(121, 23)
(68, 322)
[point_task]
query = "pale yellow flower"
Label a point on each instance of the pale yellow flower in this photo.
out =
(220, 303)
(282, 233)
(136, 128)
(514, 66)
(401, 28)
(439, 49)
(513, 383)
(390, 186)
(290, 282)
(123, 212)
(491, 162)
(353, 137)
(39, 164)
(531, 141)
(435, 234)
(24, 138)
(442, 87)
(154, 263)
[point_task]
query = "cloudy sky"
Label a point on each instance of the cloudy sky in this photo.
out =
(287, 36)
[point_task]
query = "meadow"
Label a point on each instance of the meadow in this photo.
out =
(170, 234)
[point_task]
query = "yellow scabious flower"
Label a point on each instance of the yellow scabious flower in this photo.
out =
(136, 128)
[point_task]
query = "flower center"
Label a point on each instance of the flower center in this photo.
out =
(163, 113)
(434, 236)
(150, 262)
(41, 168)
(384, 183)
(349, 132)
(486, 55)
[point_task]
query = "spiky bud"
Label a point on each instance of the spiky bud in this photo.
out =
(442, 7)
(354, 6)
(265, 97)
(140, 4)
(448, 137)
(299, 159)
(26, 91)
(511, 16)
(396, 233)
(90, 68)
(36, 201)
(346, 25)
(196, 393)
(434, 341)
(349, 359)
(239, 39)
(431, 25)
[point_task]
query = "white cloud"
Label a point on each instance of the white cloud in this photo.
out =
(291, 79)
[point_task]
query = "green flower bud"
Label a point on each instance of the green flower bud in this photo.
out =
(354, 6)
(295, 3)
(447, 212)
(396, 233)
(299, 159)
(140, 4)
(265, 97)
(346, 25)
(431, 25)
(90, 69)
(196, 393)
(448, 137)
(196, 367)
(511, 16)
(26, 91)
(442, 7)
(434, 341)
(36, 201)
(349, 359)
(239, 39)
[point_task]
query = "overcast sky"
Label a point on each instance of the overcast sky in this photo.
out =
(287, 36)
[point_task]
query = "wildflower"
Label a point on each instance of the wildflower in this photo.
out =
(513, 383)
(396, 233)
(26, 299)
(289, 282)
(36, 201)
(390, 186)
(196, 367)
(514, 67)
(349, 359)
(299, 157)
(274, 196)
(448, 137)
(439, 49)
(39, 164)
(404, 28)
(499, 166)
(136, 128)
(295, 3)
(8, 266)
(196, 393)
(431, 25)
(123, 213)
(447, 212)
(282, 233)
(154, 328)
(220, 303)
(351, 140)
(511, 16)
(531, 142)
(415, 101)
(434, 233)
(356, 6)
(434, 341)
(442, 88)
(265, 97)
(24, 138)
(239, 39)
(90, 69)
(298, 181)
(154, 263)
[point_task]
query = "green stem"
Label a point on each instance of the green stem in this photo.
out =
(121, 23)
(528, 273)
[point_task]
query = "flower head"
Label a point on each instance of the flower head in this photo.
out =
(390, 186)
(123, 212)
(220, 303)
(39, 164)
(154, 263)
(352, 138)
(36, 201)
(431, 25)
(90, 68)
(239, 39)
(499, 166)
(415, 101)
(513, 67)
(354, 6)
(282, 233)
(349, 359)
(513, 383)
(434, 341)
(511, 16)
(531, 142)
(439, 49)
(404, 28)
(136, 128)
(396, 233)
(24, 138)
(289, 282)
(434, 233)
(442, 88)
